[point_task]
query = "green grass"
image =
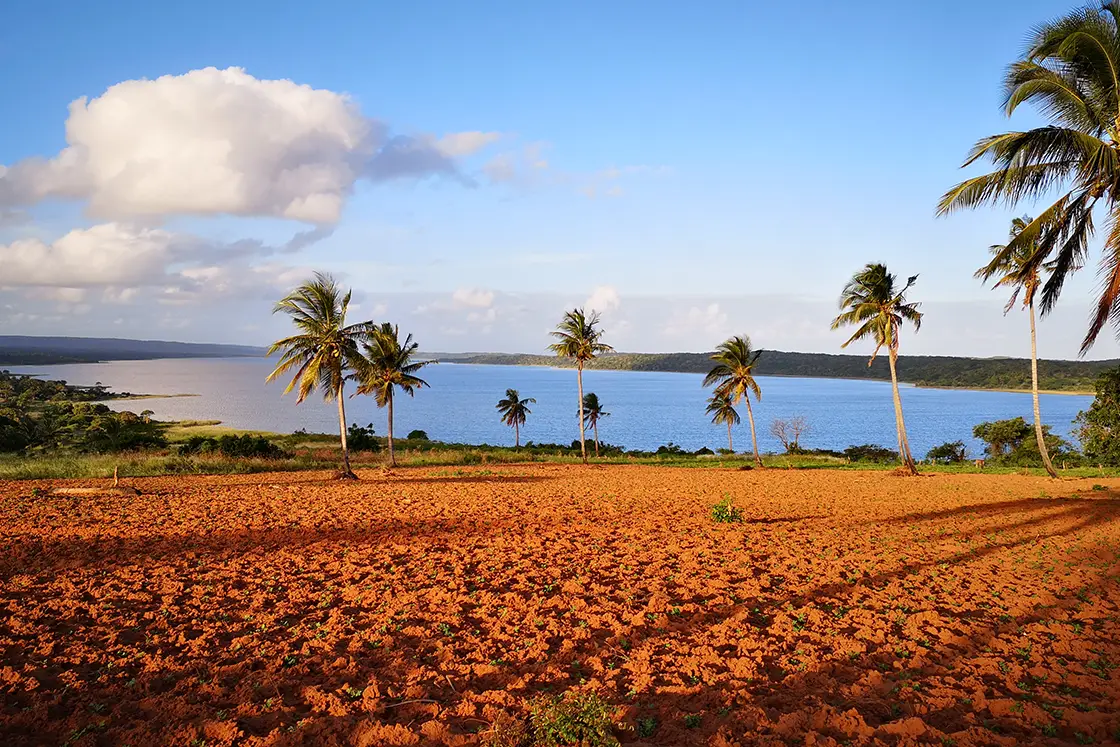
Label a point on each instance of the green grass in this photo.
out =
(320, 452)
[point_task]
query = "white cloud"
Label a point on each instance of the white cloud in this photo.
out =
(603, 298)
(223, 142)
(473, 298)
(462, 144)
(708, 323)
(109, 254)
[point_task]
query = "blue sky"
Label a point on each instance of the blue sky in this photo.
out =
(710, 168)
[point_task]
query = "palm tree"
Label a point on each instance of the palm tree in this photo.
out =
(592, 412)
(513, 410)
(879, 307)
(733, 377)
(1014, 270)
(1070, 72)
(723, 411)
(578, 337)
(388, 364)
(324, 351)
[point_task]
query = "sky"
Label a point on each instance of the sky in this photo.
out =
(471, 170)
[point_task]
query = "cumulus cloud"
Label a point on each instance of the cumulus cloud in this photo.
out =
(603, 298)
(707, 322)
(473, 298)
(223, 142)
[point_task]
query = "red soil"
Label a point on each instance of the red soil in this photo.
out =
(419, 607)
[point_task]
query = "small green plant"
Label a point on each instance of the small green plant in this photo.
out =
(692, 720)
(725, 512)
(647, 727)
(573, 718)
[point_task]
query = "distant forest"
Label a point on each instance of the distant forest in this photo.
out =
(923, 370)
(25, 350)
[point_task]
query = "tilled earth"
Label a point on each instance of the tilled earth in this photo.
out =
(421, 606)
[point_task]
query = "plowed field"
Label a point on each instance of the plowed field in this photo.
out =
(416, 607)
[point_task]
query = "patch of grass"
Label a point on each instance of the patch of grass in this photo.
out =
(725, 512)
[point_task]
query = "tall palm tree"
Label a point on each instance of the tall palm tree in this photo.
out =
(874, 302)
(325, 350)
(389, 365)
(1014, 270)
(733, 377)
(592, 412)
(723, 411)
(1071, 72)
(578, 337)
(513, 410)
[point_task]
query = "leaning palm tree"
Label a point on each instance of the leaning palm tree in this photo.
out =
(593, 412)
(513, 410)
(1014, 270)
(733, 377)
(722, 410)
(578, 337)
(879, 307)
(1070, 72)
(388, 364)
(325, 350)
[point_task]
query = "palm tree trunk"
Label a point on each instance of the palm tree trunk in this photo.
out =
(754, 438)
(596, 427)
(516, 435)
(392, 456)
(1034, 391)
(341, 395)
(582, 437)
(900, 424)
(730, 447)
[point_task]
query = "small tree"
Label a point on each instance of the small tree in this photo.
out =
(389, 364)
(723, 411)
(1099, 426)
(513, 410)
(789, 432)
(579, 338)
(947, 453)
(593, 412)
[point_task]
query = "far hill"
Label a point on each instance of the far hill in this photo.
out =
(17, 350)
(923, 370)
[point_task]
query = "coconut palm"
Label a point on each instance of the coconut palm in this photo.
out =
(326, 349)
(733, 377)
(592, 412)
(1014, 269)
(388, 364)
(723, 411)
(578, 337)
(1070, 72)
(513, 410)
(878, 306)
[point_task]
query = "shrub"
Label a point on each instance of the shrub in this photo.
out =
(244, 446)
(670, 448)
(1012, 442)
(572, 719)
(703, 451)
(951, 452)
(870, 453)
(362, 439)
(418, 435)
(725, 512)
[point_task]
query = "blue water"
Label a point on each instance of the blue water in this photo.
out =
(647, 409)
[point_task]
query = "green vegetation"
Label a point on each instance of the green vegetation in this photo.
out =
(1009, 443)
(1014, 268)
(571, 719)
(386, 366)
(593, 412)
(1099, 426)
(725, 512)
(513, 410)
(921, 370)
(877, 308)
(579, 339)
(723, 411)
(952, 452)
(324, 352)
(1069, 72)
(733, 377)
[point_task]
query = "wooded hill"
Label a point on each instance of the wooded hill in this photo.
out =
(923, 370)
